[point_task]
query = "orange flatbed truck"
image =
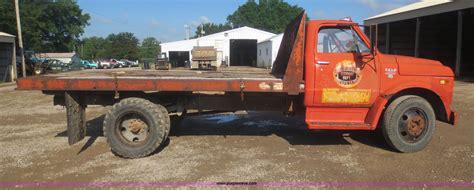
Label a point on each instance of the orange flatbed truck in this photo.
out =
(327, 70)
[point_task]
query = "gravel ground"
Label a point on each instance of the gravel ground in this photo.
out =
(255, 147)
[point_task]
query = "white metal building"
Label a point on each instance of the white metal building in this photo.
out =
(236, 47)
(267, 51)
(7, 58)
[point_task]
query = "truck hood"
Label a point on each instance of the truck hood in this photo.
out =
(421, 67)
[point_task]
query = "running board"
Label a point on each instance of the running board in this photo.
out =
(339, 126)
(337, 118)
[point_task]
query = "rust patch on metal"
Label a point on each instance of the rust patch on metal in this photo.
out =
(416, 125)
(136, 126)
(117, 95)
(289, 63)
(387, 96)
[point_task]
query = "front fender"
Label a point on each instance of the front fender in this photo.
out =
(429, 88)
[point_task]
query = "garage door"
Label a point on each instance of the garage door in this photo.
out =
(5, 61)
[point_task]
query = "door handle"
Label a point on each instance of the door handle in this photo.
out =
(324, 62)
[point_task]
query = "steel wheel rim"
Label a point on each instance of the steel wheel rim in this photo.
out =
(413, 125)
(132, 128)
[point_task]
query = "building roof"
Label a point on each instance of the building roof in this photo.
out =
(237, 30)
(420, 9)
(272, 38)
(8, 38)
(6, 35)
(190, 40)
(224, 32)
(415, 6)
(58, 55)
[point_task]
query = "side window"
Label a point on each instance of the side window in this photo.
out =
(340, 40)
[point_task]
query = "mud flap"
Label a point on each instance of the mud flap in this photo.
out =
(452, 118)
(76, 117)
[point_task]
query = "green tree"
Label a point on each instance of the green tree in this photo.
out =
(47, 25)
(123, 45)
(269, 15)
(150, 48)
(211, 28)
(93, 48)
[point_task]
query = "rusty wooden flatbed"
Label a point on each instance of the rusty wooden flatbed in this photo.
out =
(177, 90)
(232, 79)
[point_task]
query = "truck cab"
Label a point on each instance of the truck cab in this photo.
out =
(351, 86)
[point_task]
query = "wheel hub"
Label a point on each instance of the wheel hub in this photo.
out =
(136, 126)
(133, 129)
(416, 125)
(413, 125)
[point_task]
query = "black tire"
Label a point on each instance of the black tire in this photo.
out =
(408, 123)
(156, 126)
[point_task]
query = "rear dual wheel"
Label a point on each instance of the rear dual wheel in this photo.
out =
(136, 127)
(408, 123)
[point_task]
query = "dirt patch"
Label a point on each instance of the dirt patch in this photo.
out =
(244, 146)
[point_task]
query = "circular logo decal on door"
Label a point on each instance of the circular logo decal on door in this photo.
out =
(347, 74)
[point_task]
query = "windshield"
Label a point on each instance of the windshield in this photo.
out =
(341, 39)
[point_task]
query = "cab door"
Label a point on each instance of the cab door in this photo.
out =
(346, 79)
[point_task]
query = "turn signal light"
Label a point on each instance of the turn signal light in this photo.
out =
(443, 82)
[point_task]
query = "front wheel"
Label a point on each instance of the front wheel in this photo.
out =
(409, 123)
(136, 127)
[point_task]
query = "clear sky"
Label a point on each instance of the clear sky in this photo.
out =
(165, 19)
